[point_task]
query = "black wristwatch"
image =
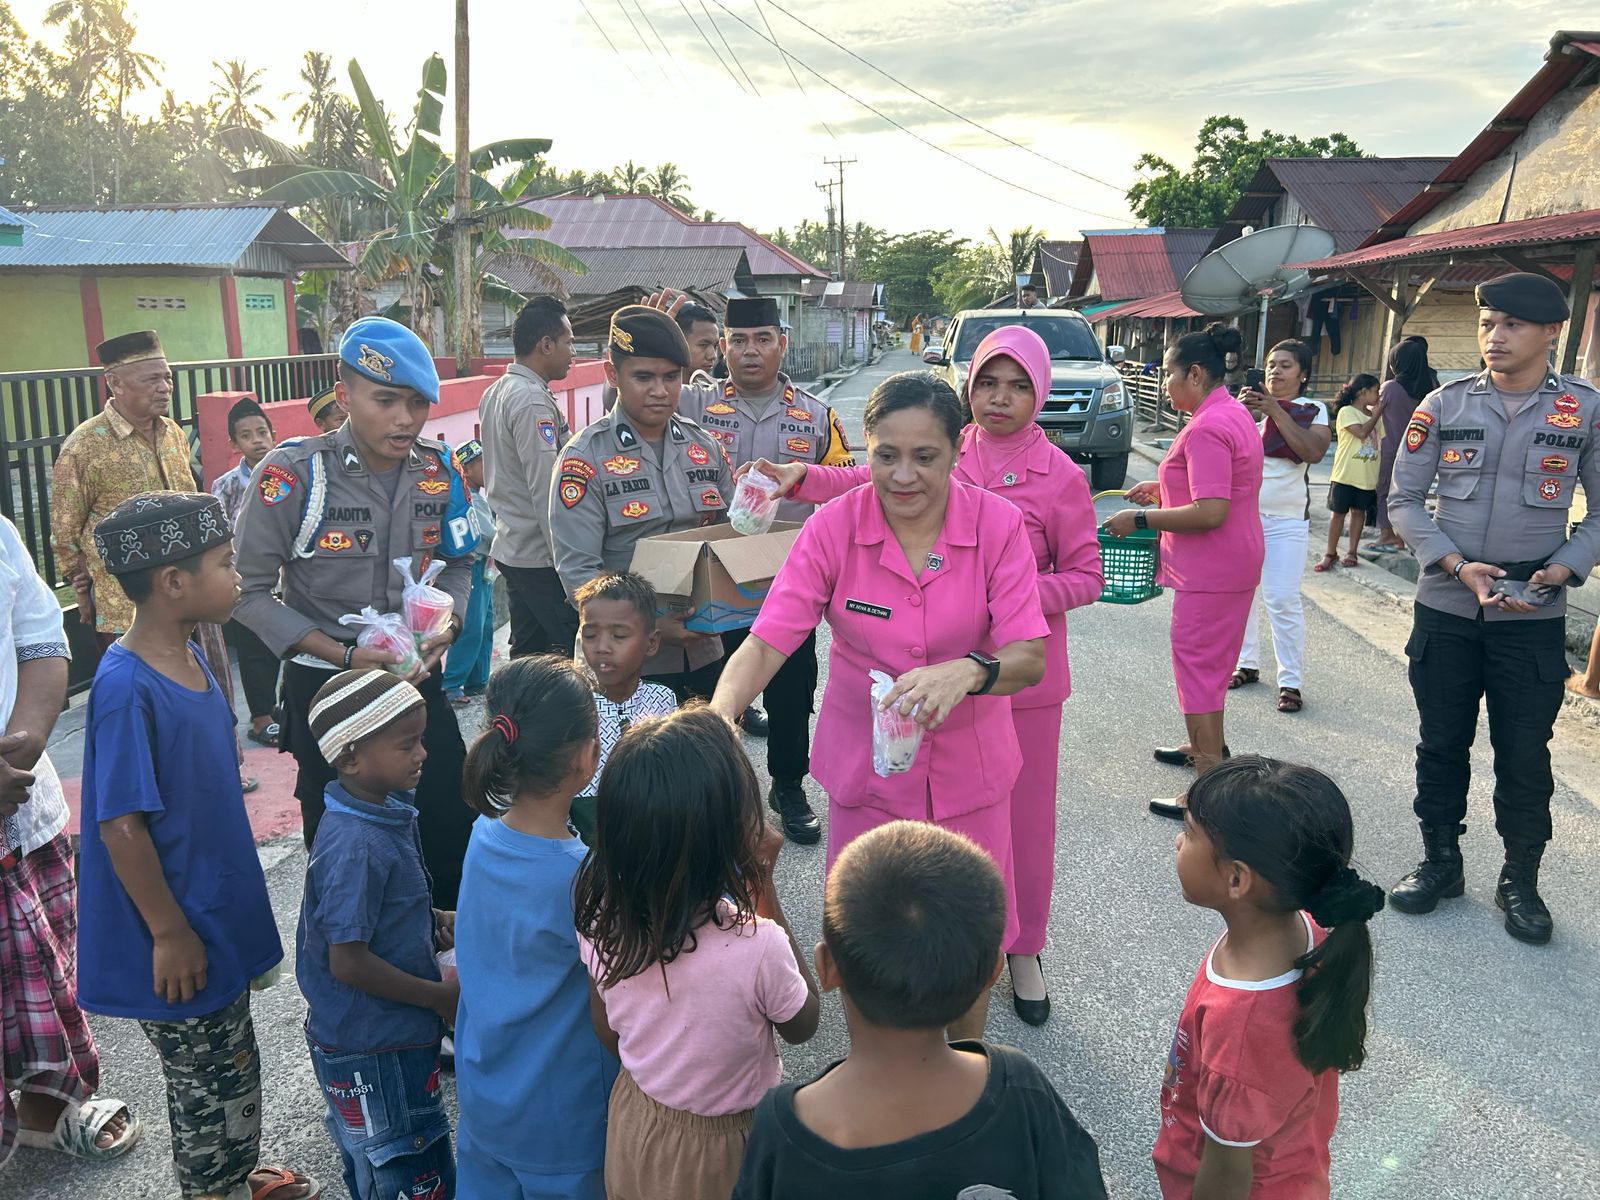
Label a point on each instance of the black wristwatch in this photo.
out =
(992, 666)
(1141, 520)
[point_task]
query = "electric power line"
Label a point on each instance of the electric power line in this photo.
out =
(711, 46)
(995, 133)
(882, 116)
(722, 37)
(609, 42)
(792, 75)
(675, 64)
(649, 49)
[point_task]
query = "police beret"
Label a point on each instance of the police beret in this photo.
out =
(1526, 296)
(387, 352)
(469, 451)
(156, 528)
(129, 347)
(753, 312)
(639, 331)
(320, 403)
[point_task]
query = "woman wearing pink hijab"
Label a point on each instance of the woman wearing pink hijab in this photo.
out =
(1005, 452)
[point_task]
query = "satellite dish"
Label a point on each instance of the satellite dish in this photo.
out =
(1250, 271)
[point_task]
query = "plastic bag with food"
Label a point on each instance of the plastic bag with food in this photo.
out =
(895, 738)
(426, 607)
(387, 632)
(755, 503)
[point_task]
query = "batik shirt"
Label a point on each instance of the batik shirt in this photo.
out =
(648, 700)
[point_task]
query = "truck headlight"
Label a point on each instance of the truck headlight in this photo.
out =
(1113, 398)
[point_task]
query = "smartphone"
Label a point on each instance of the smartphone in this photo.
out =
(1255, 378)
(1541, 594)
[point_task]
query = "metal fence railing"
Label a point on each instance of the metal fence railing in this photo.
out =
(1146, 384)
(812, 361)
(38, 409)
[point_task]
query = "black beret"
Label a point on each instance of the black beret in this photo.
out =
(1526, 296)
(753, 312)
(156, 528)
(638, 331)
(320, 403)
(129, 347)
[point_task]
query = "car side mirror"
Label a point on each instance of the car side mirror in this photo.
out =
(941, 361)
(1116, 354)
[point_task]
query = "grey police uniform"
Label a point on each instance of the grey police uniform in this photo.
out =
(1505, 486)
(317, 523)
(613, 488)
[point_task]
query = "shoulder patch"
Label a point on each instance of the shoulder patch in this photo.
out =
(547, 432)
(578, 467)
(276, 484)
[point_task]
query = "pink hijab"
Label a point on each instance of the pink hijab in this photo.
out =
(993, 454)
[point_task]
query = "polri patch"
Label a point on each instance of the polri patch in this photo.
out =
(621, 464)
(433, 487)
(1416, 436)
(430, 466)
(430, 535)
(335, 541)
(698, 454)
(634, 509)
(711, 498)
(1423, 417)
(719, 409)
(1450, 457)
(1563, 420)
(276, 484)
(798, 445)
(1550, 489)
(547, 432)
(1555, 464)
(1566, 402)
(798, 414)
(363, 538)
(868, 610)
(577, 467)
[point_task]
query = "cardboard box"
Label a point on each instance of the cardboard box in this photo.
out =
(719, 574)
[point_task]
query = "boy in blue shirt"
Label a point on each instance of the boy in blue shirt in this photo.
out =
(365, 954)
(173, 916)
(466, 665)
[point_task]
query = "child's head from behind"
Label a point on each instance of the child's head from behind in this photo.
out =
(677, 825)
(1278, 838)
(1360, 390)
(541, 735)
(369, 726)
(250, 430)
(617, 627)
(172, 552)
(912, 920)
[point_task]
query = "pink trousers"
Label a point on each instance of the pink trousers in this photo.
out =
(1033, 824)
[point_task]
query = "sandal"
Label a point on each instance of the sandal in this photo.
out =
(79, 1127)
(267, 735)
(1329, 561)
(1289, 700)
(1244, 676)
(1349, 560)
(282, 1178)
(248, 784)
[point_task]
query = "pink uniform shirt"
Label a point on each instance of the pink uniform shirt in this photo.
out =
(1053, 496)
(1216, 456)
(978, 591)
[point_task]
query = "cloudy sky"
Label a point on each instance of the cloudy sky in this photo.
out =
(1085, 84)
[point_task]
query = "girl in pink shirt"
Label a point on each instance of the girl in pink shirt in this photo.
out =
(1211, 540)
(687, 982)
(1278, 1008)
(1005, 452)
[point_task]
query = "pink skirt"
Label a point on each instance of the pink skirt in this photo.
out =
(1207, 632)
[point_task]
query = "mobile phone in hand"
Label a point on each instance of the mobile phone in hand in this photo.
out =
(1255, 378)
(1541, 594)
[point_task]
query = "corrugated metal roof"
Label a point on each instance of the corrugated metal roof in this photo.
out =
(1570, 54)
(1535, 231)
(846, 293)
(1349, 197)
(1168, 304)
(1058, 261)
(7, 217)
(214, 236)
(612, 268)
(1130, 264)
(643, 221)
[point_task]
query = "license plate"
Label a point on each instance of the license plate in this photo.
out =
(1056, 437)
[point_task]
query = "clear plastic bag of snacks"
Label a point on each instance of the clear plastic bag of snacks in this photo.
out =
(755, 503)
(427, 608)
(387, 632)
(895, 739)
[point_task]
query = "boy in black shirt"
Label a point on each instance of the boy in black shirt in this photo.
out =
(911, 924)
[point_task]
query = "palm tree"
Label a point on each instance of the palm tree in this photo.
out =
(84, 73)
(237, 87)
(317, 75)
(667, 183)
(1017, 251)
(630, 178)
(127, 70)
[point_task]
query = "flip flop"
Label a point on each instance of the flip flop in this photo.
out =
(282, 1178)
(79, 1126)
(267, 735)
(1381, 548)
(249, 784)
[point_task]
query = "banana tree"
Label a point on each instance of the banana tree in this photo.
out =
(414, 187)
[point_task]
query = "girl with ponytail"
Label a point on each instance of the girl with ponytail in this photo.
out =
(1278, 1008)
(527, 1058)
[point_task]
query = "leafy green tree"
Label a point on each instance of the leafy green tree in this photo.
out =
(1226, 158)
(126, 70)
(667, 183)
(810, 241)
(905, 263)
(630, 178)
(236, 90)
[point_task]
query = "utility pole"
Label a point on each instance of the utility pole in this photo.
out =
(833, 243)
(462, 234)
(844, 230)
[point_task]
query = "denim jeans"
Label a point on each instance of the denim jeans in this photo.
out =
(384, 1114)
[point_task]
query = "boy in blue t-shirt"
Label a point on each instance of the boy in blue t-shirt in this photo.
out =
(173, 916)
(365, 954)
(466, 664)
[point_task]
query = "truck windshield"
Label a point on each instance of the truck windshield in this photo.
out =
(1067, 337)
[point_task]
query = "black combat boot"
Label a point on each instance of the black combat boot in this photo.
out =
(1527, 919)
(1438, 876)
(788, 799)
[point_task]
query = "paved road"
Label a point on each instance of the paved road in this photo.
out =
(1481, 1071)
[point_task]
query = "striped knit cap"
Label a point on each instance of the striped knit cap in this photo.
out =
(357, 704)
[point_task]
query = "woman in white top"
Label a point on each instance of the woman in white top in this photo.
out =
(1294, 434)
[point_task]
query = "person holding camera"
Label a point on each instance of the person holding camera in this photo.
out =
(1507, 446)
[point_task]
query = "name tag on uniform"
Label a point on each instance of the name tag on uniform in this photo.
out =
(868, 610)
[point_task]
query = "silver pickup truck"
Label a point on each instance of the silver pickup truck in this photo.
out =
(1087, 414)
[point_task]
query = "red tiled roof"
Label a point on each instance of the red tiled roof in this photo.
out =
(1349, 197)
(646, 222)
(1535, 231)
(1130, 264)
(1570, 54)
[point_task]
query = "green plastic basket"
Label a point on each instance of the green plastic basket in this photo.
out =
(1129, 564)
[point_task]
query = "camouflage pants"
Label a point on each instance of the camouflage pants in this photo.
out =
(213, 1075)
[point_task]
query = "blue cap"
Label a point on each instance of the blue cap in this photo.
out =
(469, 451)
(386, 351)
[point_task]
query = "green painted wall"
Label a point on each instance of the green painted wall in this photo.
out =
(42, 320)
(190, 334)
(263, 332)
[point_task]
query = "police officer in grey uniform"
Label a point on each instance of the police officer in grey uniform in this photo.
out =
(638, 471)
(326, 515)
(1508, 447)
(759, 413)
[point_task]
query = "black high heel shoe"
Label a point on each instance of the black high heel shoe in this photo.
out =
(1032, 1012)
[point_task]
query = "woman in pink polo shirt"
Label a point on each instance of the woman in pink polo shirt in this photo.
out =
(1004, 451)
(1211, 541)
(933, 582)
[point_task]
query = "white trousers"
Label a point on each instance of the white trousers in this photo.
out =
(1287, 539)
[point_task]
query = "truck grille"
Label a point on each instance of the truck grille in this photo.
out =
(1077, 400)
